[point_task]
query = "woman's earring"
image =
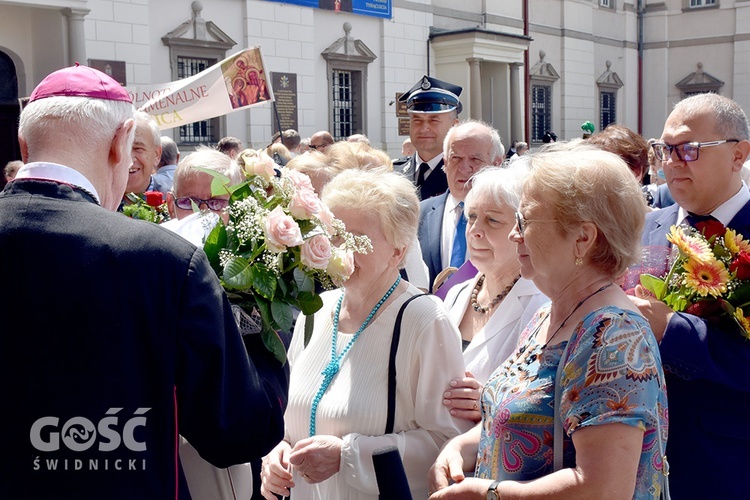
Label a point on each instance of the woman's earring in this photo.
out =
(579, 261)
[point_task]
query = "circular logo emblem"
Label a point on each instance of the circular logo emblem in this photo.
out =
(79, 434)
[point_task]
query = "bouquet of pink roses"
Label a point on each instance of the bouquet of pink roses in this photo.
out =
(710, 276)
(276, 250)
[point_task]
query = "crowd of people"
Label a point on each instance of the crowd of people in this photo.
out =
(488, 335)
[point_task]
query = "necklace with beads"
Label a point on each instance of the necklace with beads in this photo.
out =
(333, 366)
(500, 296)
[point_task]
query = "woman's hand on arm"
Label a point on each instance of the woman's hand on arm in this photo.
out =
(458, 454)
(274, 473)
(317, 458)
(471, 488)
(462, 397)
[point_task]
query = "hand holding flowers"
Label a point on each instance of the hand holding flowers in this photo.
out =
(710, 276)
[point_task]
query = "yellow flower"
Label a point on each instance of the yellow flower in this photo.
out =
(743, 321)
(706, 277)
(735, 242)
(692, 247)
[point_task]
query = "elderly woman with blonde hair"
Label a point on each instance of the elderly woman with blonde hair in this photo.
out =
(340, 407)
(579, 410)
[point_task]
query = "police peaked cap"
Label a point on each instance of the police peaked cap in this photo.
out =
(430, 95)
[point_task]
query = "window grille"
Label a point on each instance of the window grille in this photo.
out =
(607, 109)
(344, 103)
(201, 132)
(541, 111)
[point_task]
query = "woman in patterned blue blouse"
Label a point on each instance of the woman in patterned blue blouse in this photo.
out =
(577, 230)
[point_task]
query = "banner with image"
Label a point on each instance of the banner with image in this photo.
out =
(238, 82)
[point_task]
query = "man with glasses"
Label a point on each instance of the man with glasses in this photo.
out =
(321, 141)
(468, 148)
(707, 364)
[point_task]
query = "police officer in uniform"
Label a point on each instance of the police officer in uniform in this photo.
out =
(433, 108)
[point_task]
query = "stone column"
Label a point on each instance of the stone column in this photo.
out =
(76, 35)
(475, 87)
(516, 122)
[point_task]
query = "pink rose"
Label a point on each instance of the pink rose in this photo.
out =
(300, 180)
(304, 204)
(326, 217)
(258, 163)
(341, 265)
(316, 252)
(281, 231)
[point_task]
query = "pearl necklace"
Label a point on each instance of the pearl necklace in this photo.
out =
(333, 366)
(495, 301)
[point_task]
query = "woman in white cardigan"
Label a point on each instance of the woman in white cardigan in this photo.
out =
(337, 412)
(492, 308)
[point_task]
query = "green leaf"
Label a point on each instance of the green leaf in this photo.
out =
(282, 315)
(241, 191)
(655, 285)
(215, 242)
(219, 181)
(238, 274)
(264, 281)
(303, 281)
(309, 325)
(273, 343)
(741, 294)
(309, 303)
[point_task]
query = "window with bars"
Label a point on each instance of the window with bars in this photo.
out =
(702, 3)
(204, 131)
(605, 3)
(541, 111)
(607, 109)
(347, 103)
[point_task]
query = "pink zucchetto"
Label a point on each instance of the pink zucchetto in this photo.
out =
(80, 81)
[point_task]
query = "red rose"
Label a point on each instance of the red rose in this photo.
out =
(741, 265)
(705, 308)
(154, 198)
(710, 228)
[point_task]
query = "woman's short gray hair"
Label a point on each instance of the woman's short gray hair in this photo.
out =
(585, 184)
(387, 194)
(210, 159)
(502, 185)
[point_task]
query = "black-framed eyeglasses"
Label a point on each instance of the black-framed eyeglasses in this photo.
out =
(522, 222)
(687, 151)
(314, 147)
(214, 204)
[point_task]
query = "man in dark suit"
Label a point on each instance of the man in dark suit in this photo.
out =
(433, 107)
(707, 364)
(468, 147)
(126, 338)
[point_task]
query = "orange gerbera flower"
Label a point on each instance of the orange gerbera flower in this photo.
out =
(743, 321)
(692, 247)
(735, 242)
(706, 278)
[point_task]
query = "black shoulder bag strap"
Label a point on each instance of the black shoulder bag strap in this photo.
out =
(392, 366)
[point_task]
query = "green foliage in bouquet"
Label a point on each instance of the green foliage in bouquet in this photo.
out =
(275, 252)
(710, 276)
(149, 206)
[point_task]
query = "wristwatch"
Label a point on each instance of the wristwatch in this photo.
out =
(492, 491)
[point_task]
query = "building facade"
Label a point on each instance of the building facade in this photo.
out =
(526, 67)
